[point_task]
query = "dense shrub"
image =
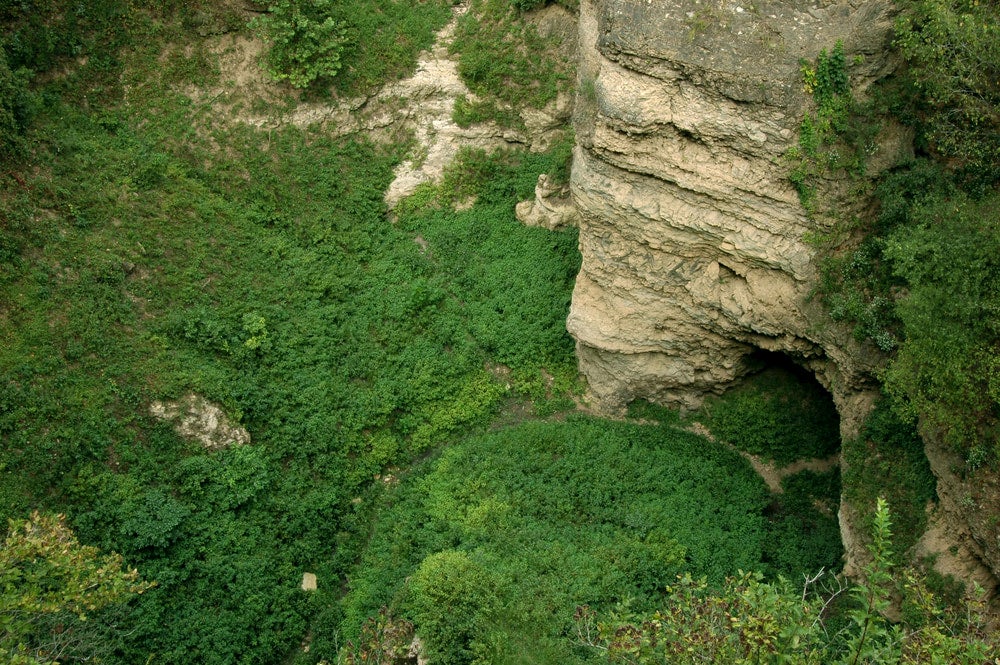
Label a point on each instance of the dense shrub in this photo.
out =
(542, 517)
(780, 414)
(306, 41)
(888, 460)
(952, 48)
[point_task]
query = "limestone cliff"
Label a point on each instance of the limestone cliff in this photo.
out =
(693, 240)
(692, 237)
(694, 243)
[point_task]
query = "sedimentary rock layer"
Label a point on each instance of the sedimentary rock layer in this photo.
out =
(693, 240)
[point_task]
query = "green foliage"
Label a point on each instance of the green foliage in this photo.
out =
(803, 525)
(150, 253)
(947, 369)
(870, 639)
(920, 283)
(53, 591)
(39, 34)
(753, 621)
(306, 41)
(503, 534)
(747, 621)
(15, 109)
(780, 414)
(838, 136)
(504, 61)
(952, 48)
(452, 599)
(888, 460)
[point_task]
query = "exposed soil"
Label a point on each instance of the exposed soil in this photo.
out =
(771, 473)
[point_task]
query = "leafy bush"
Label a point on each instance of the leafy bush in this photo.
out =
(947, 369)
(306, 42)
(953, 51)
(888, 460)
(51, 586)
(536, 519)
(753, 621)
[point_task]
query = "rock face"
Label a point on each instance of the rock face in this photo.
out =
(693, 239)
(197, 419)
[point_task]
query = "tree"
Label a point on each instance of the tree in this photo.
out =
(306, 41)
(52, 590)
(952, 48)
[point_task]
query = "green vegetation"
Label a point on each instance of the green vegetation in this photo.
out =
(781, 414)
(392, 373)
(753, 621)
(57, 597)
(489, 547)
(149, 252)
(505, 62)
(306, 41)
(321, 42)
(918, 276)
(888, 461)
(952, 48)
(838, 136)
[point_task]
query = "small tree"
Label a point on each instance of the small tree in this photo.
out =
(306, 41)
(51, 586)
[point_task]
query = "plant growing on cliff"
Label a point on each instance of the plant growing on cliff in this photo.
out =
(833, 137)
(952, 49)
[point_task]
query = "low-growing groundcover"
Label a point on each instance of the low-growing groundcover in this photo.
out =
(147, 253)
(491, 546)
(268, 278)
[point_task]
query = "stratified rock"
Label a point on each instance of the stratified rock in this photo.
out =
(694, 242)
(693, 239)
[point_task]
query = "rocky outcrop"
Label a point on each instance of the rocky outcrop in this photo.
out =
(552, 208)
(693, 240)
(196, 419)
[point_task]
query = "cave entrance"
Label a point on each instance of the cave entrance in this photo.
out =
(785, 423)
(778, 411)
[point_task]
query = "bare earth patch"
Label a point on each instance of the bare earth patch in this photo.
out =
(771, 473)
(195, 418)
(419, 107)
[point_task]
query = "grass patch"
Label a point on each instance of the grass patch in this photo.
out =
(505, 62)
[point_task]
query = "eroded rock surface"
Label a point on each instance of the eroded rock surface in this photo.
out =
(694, 242)
(692, 236)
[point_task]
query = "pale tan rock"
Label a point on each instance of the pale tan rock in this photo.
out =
(308, 581)
(196, 418)
(693, 240)
(552, 207)
(692, 237)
